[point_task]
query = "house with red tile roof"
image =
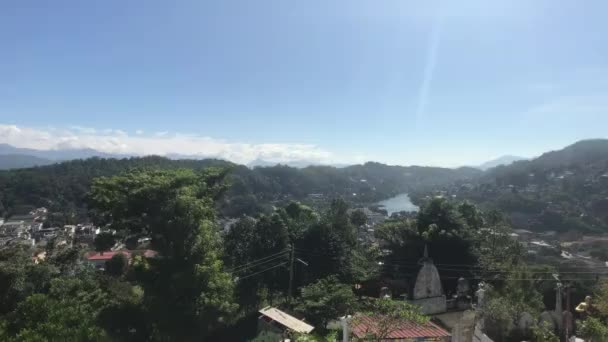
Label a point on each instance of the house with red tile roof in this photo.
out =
(99, 259)
(364, 327)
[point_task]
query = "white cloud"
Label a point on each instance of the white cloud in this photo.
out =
(86, 130)
(161, 143)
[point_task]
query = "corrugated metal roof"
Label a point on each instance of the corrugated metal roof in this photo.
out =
(406, 329)
(286, 320)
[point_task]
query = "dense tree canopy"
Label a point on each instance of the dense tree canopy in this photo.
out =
(186, 291)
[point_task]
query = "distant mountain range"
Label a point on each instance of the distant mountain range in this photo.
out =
(294, 163)
(15, 157)
(562, 190)
(504, 160)
(18, 161)
(12, 157)
(66, 154)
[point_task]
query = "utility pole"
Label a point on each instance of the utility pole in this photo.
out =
(292, 257)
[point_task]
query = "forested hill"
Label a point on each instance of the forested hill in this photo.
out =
(62, 187)
(560, 190)
(17, 161)
(589, 157)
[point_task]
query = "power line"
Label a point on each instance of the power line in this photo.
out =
(258, 261)
(504, 270)
(259, 272)
(457, 267)
(246, 267)
(517, 271)
(521, 272)
(517, 279)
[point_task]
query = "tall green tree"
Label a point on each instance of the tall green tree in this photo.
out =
(21, 277)
(358, 218)
(187, 292)
(442, 226)
(117, 265)
(325, 300)
(68, 312)
(514, 292)
(298, 218)
(104, 241)
(328, 244)
(254, 246)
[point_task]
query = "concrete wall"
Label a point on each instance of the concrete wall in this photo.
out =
(429, 306)
(479, 336)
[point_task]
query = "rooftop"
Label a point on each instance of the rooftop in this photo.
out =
(405, 330)
(106, 255)
(286, 320)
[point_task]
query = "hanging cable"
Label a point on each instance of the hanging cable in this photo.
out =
(258, 262)
(259, 272)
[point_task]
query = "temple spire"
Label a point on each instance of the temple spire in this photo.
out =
(425, 257)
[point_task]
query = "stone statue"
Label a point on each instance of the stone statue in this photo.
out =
(463, 298)
(463, 288)
(525, 323)
(480, 294)
(583, 308)
(385, 292)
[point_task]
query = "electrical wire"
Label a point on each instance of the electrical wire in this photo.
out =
(258, 262)
(259, 272)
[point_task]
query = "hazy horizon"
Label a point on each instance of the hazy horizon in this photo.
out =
(436, 83)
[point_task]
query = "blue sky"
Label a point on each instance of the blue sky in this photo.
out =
(403, 82)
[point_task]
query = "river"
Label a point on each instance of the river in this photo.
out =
(398, 203)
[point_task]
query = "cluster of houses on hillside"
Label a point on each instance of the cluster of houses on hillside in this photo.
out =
(22, 229)
(29, 230)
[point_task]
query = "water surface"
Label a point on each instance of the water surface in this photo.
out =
(398, 203)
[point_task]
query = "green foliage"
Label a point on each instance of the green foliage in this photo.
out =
(600, 300)
(117, 265)
(442, 226)
(594, 329)
(543, 333)
(267, 336)
(186, 292)
(387, 314)
(66, 259)
(315, 337)
(299, 218)
(20, 277)
(496, 249)
(67, 313)
(104, 241)
(250, 240)
(358, 218)
(514, 293)
(325, 300)
(330, 245)
(560, 190)
(63, 187)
